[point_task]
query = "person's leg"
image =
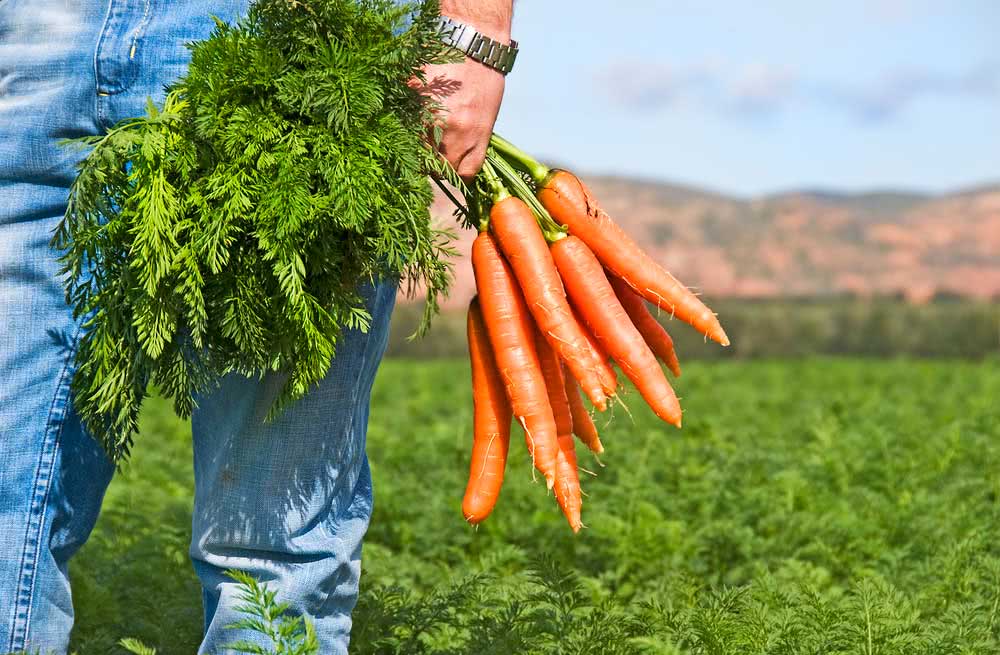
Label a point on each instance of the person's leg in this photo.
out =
(68, 68)
(288, 501)
(290, 509)
(52, 474)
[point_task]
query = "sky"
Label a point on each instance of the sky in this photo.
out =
(761, 97)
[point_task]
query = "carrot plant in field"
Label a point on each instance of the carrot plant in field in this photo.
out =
(828, 507)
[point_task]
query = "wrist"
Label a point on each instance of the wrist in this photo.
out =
(466, 38)
(495, 32)
(494, 22)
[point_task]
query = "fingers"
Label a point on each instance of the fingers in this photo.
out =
(465, 147)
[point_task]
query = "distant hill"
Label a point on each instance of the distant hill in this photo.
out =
(804, 243)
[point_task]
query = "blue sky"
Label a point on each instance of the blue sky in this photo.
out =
(756, 97)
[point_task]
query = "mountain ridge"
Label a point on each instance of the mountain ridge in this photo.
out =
(811, 242)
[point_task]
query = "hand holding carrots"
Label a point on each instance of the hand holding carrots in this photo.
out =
(561, 289)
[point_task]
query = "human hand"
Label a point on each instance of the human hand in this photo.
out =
(469, 92)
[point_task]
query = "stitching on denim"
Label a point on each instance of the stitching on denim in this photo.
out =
(19, 642)
(48, 487)
(105, 26)
(139, 30)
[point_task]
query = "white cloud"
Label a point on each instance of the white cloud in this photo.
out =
(759, 89)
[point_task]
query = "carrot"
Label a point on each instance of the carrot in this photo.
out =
(555, 386)
(583, 425)
(593, 296)
(568, 493)
(523, 244)
(511, 333)
(656, 335)
(491, 423)
(567, 487)
(608, 378)
(571, 203)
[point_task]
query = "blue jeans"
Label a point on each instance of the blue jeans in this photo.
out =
(287, 501)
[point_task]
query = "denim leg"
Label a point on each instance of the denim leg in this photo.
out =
(52, 474)
(68, 68)
(288, 501)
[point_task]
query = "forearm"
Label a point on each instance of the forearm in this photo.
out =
(491, 17)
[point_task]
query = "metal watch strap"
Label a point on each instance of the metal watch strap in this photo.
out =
(492, 53)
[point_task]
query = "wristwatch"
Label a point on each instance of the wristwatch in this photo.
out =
(492, 53)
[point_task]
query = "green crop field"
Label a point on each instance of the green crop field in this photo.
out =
(816, 506)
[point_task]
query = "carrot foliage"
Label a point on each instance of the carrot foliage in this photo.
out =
(230, 229)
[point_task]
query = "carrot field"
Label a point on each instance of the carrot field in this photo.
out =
(807, 507)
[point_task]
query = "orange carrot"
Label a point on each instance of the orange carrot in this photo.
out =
(583, 425)
(491, 423)
(571, 204)
(568, 493)
(609, 381)
(512, 338)
(524, 246)
(656, 335)
(555, 386)
(567, 476)
(593, 296)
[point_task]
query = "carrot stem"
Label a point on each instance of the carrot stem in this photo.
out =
(498, 191)
(537, 170)
(451, 196)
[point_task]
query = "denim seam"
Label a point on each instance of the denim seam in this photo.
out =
(98, 104)
(28, 569)
(139, 30)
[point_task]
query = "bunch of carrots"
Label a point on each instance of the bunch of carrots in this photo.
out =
(562, 293)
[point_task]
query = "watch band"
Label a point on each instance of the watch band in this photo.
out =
(492, 53)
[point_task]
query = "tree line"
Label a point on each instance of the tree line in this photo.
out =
(881, 327)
